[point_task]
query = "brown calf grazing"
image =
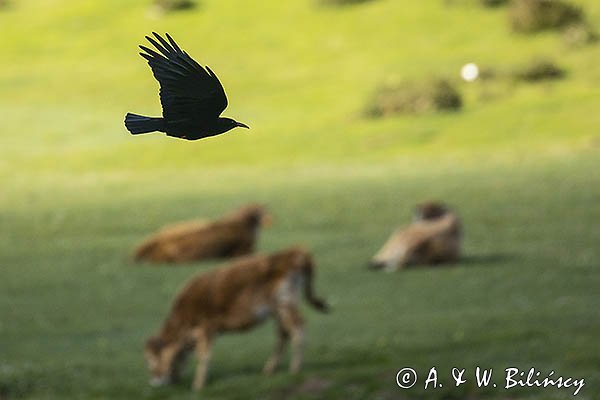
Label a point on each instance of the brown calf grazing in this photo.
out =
(235, 297)
(434, 237)
(231, 236)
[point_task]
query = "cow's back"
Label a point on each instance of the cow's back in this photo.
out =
(231, 297)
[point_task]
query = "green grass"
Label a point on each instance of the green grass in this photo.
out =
(75, 311)
(78, 192)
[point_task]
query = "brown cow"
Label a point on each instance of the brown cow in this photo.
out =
(235, 297)
(233, 235)
(434, 237)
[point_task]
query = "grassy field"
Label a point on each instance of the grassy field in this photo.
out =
(519, 162)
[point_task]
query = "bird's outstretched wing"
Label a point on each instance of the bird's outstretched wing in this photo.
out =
(189, 93)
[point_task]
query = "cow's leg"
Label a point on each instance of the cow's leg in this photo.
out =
(401, 260)
(179, 363)
(203, 352)
(293, 324)
(283, 338)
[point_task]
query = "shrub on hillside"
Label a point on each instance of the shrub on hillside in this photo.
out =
(539, 70)
(493, 3)
(536, 15)
(580, 35)
(414, 98)
(174, 5)
(469, 3)
(341, 2)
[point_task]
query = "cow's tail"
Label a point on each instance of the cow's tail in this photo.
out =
(318, 303)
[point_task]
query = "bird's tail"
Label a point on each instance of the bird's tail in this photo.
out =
(137, 124)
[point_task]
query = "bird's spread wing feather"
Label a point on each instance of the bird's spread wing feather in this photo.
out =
(188, 92)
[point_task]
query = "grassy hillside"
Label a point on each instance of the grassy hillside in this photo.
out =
(519, 163)
(299, 74)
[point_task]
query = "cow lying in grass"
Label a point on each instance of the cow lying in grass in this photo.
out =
(233, 298)
(434, 237)
(233, 235)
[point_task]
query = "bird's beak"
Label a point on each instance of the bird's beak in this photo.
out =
(241, 125)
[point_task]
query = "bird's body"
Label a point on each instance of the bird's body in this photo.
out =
(192, 96)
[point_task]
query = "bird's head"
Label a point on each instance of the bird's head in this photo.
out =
(227, 124)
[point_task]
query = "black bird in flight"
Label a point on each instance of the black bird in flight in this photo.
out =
(192, 97)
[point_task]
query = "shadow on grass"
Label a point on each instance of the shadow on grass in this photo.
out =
(16, 388)
(487, 259)
(467, 261)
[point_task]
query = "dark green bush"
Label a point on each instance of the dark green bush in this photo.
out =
(539, 70)
(580, 35)
(341, 2)
(414, 98)
(174, 5)
(493, 3)
(536, 15)
(469, 3)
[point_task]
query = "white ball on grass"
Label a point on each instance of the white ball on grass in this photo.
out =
(469, 72)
